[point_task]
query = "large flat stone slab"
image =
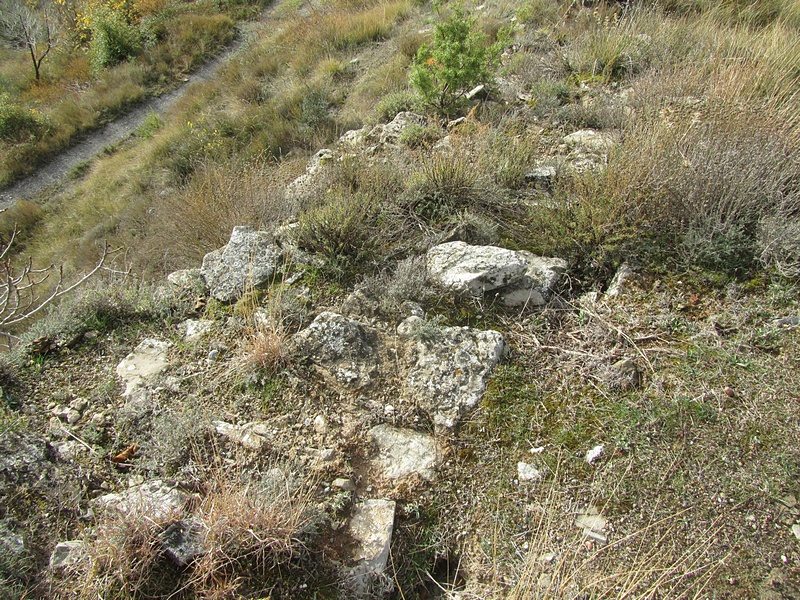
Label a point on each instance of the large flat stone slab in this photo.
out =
(403, 452)
(144, 364)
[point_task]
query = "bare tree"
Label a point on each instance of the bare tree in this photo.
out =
(31, 25)
(23, 292)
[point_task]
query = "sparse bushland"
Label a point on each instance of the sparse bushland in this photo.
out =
(699, 191)
(108, 59)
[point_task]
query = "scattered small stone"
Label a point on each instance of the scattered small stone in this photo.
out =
(730, 392)
(213, 356)
(344, 484)
(789, 501)
(154, 500)
(73, 416)
(537, 450)
(388, 410)
(320, 425)
(244, 435)
(327, 455)
(796, 530)
(194, 329)
(792, 321)
(592, 523)
(594, 453)
(527, 472)
(79, 404)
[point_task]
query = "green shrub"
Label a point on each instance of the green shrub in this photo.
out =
(18, 124)
(113, 39)
(459, 60)
(419, 135)
(343, 230)
(397, 102)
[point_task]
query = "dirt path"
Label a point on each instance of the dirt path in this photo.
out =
(61, 164)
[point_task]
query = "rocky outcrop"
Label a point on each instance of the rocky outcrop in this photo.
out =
(517, 278)
(450, 370)
(340, 346)
(248, 261)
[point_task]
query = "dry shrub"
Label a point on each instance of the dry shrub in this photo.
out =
(264, 350)
(122, 560)
(219, 197)
(247, 521)
(249, 526)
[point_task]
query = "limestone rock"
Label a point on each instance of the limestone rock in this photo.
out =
(154, 500)
(541, 177)
(371, 528)
(305, 184)
(188, 281)
(23, 458)
(144, 364)
(246, 435)
(621, 282)
(183, 541)
(194, 329)
(528, 472)
(589, 140)
(536, 286)
(390, 132)
(449, 376)
(66, 554)
(402, 452)
(474, 269)
(340, 346)
(249, 260)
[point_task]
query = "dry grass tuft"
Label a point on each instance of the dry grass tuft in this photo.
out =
(249, 525)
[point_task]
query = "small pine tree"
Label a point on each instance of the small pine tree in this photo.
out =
(459, 60)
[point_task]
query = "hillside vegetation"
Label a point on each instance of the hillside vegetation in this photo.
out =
(652, 141)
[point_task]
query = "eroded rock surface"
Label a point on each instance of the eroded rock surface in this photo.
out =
(144, 364)
(371, 528)
(340, 346)
(155, 500)
(450, 372)
(403, 452)
(248, 261)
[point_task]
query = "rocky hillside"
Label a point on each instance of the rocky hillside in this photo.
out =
(535, 340)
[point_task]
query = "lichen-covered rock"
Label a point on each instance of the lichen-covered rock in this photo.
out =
(589, 140)
(536, 286)
(155, 500)
(403, 452)
(66, 554)
(24, 458)
(306, 183)
(188, 281)
(391, 132)
(246, 435)
(474, 269)
(183, 541)
(249, 260)
(340, 346)
(449, 374)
